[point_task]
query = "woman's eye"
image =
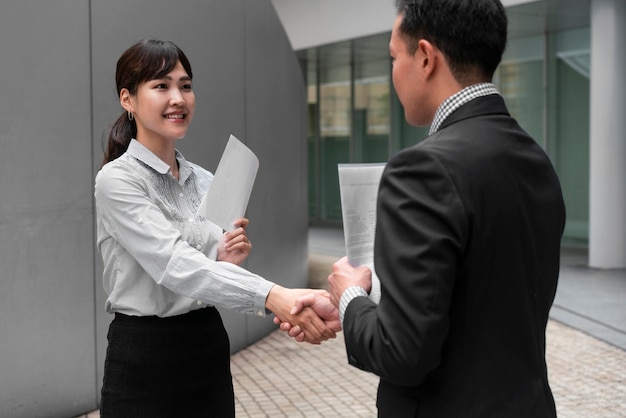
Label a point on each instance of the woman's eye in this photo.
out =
(187, 86)
(161, 86)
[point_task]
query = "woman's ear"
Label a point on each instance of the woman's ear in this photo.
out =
(125, 100)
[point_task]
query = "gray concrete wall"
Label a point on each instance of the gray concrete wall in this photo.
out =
(58, 99)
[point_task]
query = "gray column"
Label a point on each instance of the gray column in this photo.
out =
(607, 183)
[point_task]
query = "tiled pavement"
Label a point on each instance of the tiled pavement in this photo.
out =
(277, 377)
(280, 378)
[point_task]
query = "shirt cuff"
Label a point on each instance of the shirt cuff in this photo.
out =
(347, 296)
(261, 297)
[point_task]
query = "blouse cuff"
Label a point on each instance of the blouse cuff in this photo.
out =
(261, 297)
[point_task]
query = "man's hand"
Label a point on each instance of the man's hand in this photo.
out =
(235, 246)
(344, 276)
(319, 301)
(324, 304)
(311, 327)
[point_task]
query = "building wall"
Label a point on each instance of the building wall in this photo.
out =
(57, 85)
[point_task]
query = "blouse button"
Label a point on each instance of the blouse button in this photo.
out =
(199, 302)
(190, 220)
(181, 194)
(198, 247)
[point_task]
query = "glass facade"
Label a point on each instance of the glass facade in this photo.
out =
(355, 116)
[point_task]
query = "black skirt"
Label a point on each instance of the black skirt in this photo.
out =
(168, 367)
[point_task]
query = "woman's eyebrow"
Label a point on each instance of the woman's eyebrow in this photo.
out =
(169, 78)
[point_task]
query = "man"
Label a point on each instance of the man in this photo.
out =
(468, 233)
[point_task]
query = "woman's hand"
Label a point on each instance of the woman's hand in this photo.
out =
(319, 301)
(309, 325)
(235, 246)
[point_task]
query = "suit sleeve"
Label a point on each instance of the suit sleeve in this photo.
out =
(420, 234)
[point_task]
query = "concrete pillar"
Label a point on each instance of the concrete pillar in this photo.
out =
(607, 183)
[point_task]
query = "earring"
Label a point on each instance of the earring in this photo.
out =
(131, 117)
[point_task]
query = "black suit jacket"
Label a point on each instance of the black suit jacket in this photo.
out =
(467, 248)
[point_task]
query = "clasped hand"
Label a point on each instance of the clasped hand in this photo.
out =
(324, 304)
(307, 314)
(316, 322)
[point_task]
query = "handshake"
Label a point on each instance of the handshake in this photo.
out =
(312, 315)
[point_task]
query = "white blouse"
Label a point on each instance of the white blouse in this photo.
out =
(159, 255)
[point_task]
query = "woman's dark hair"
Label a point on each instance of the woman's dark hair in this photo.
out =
(471, 33)
(148, 59)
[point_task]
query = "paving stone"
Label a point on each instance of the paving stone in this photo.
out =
(587, 377)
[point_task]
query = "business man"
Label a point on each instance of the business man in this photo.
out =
(468, 231)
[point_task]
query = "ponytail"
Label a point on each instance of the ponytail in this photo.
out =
(122, 131)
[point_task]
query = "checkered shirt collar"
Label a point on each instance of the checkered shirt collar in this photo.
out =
(457, 100)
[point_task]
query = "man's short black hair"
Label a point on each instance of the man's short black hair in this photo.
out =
(470, 33)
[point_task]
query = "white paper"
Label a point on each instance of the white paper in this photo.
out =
(229, 193)
(358, 185)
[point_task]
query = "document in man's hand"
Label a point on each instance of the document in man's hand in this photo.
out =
(229, 193)
(358, 185)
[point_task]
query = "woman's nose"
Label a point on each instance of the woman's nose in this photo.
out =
(177, 98)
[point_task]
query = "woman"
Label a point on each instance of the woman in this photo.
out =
(165, 267)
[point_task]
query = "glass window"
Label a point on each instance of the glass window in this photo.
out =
(308, 61)
(570, 117)
(520, 81)
(335, 103)
(355, 115)
(371, 127)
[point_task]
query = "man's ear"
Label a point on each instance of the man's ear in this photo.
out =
(429, 57)
(125, 100)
